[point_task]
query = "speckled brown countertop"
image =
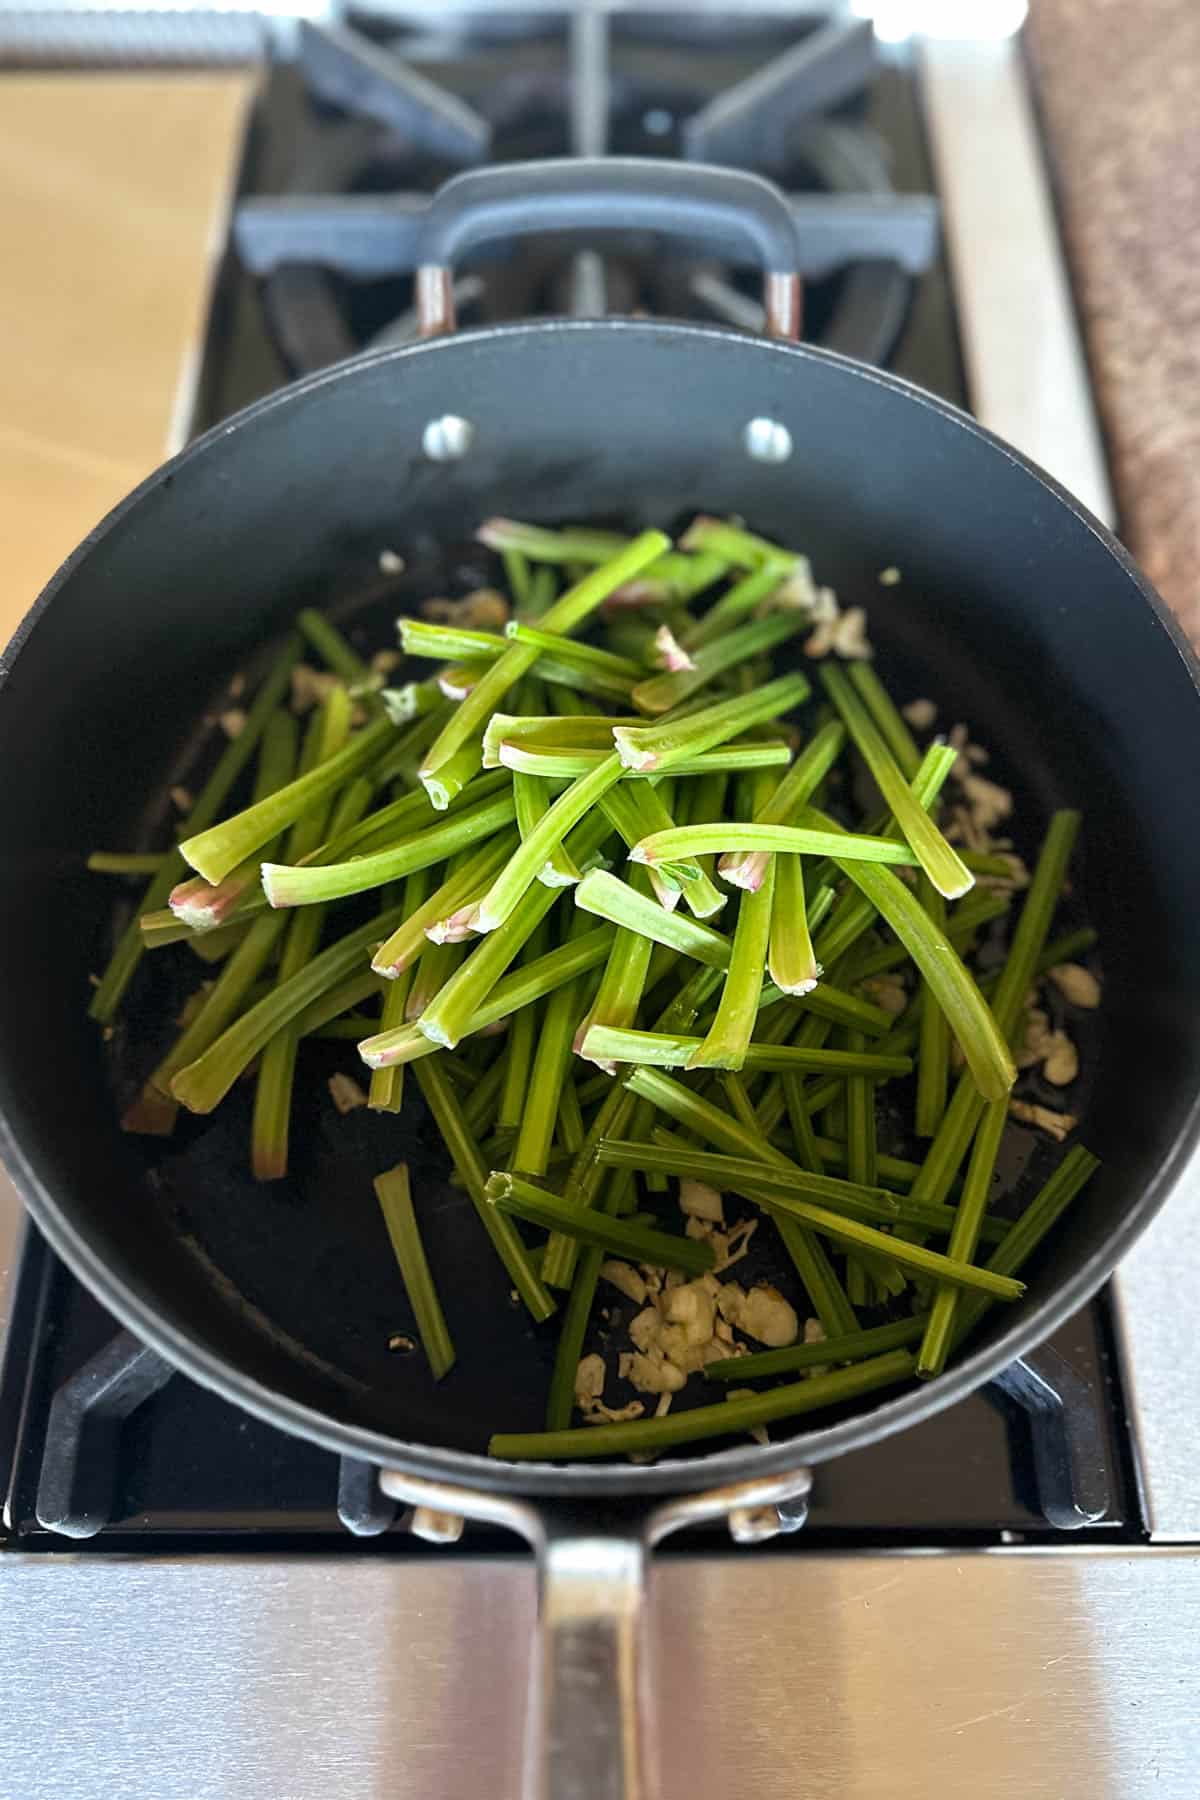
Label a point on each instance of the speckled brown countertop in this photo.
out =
(1119, 82)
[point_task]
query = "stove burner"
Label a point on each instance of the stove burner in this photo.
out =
(338, 264)
(1055, 1424)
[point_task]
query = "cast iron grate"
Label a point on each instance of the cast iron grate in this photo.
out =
(335, 250)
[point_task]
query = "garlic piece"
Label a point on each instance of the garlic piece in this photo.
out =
(589, 1379)
(692, 1307)
(1057, 1125)
(989, 802)
(645, 1327)
(886, 990)
(482, 610)
(921, 714)
(1077, 985)
(596, 1413)
(1062, 1060)
(797, 592)
(346, 1094)
(311, 686)
(624, 1276)
(1035, 1040)
(767, 1317)
(699, 1201)
(850, 636)
(651, 1373)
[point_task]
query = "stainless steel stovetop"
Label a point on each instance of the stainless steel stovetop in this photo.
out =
(197, 1637)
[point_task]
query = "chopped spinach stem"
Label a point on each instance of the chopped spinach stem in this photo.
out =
(588, 852)
(395, 1201)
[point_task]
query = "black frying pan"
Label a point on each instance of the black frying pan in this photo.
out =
(1016, 608)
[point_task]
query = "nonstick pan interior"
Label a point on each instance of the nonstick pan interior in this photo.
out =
(1012, 612)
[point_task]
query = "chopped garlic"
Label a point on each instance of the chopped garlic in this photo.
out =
(921, 714)
(731, 1246)
(886, 990)
(589, 1378)
(346, 1094)
(311, 686)
(889, 577)
(989, 802)
(1011, 883)
(596, 1413)
(645, 1327)
(589, 1389)
(390, 563)
(1077, 985)
(483, 610)
(699, 1201)
(651, 1373)
(825, 608)
(1034, 1040)
(691, 1306)
(850, 639)
(826, 616)
(728, 1246)
(797, 592)
(624, 1276)
(233, 722)
(1058, 1125)
(766, 1316)
(182, 798)
(1061, 1065)
(1053, 1050)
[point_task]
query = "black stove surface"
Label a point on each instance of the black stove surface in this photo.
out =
(99, 1442)
(160, 1463)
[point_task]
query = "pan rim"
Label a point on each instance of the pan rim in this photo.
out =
(194, 1358)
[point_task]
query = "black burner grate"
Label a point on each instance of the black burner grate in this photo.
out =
(335, 250)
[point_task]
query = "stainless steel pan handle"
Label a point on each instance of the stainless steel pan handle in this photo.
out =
(587, 1702)
(724, 212)
(587, 1735)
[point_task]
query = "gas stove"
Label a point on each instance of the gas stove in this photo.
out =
(228, 1566)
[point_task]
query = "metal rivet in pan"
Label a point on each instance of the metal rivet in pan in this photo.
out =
(435, 1527)
(754, 1524)
(767, 441)
(447, 438)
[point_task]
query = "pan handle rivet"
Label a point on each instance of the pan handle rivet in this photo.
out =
(448, 438)
(435, 1527)
(767, 441)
